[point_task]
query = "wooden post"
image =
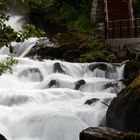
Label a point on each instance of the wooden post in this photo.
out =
(120, 29)
(113, 29)
(106, 31)
(135, 27)
(128, 28)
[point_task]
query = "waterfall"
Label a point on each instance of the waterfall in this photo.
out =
(34, 107)
(16, 22)
(20, 50)
(53, 99)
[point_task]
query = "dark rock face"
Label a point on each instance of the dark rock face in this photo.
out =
(131, 71)
(99, 133)
(101, 66)
(79, 84)
(105, 133)
(124, 110)
(2, 137)
(91, 101)
(58, 68)
(46, 49)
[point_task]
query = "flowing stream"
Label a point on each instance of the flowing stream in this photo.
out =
(54, 100)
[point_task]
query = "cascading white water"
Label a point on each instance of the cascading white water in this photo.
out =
(38, 101)
(31, 110)
(16, 22)
(20, 50)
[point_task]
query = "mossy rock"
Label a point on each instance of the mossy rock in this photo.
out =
(124, 111)
(131, 71)
(135, 84)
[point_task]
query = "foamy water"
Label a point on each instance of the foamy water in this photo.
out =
(34, 110)
(38, 101)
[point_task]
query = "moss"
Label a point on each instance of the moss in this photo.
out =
(130, 136)
(87, 57)
(135, 84)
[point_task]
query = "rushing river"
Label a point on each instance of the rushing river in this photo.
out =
(47, 100)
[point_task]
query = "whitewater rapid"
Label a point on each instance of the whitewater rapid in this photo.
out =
(32, 109)
(50, 99)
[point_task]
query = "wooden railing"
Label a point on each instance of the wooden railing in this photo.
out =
(128, 28)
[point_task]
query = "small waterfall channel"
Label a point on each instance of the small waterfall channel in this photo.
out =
(54, 100)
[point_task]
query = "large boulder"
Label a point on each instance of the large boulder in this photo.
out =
(124, 110)
(56, 48)
(99, 133)
(46, 49)
(104, 133)
(2, 137)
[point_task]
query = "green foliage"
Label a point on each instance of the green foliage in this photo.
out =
(72, 17)
(6, 65)
(8, 35)
(82, 23)
(29, 30)
(68, 12)
(136, 4)
(37, 3)
(85, 7)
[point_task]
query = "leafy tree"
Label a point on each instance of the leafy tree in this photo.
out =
(8, 35)
(6, 64)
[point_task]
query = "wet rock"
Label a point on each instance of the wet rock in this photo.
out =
(108, 85)
(52, 83)
(58, 68)
(2, 137)
(105, 133)
(91, 101)
(46, 49)
(62, 46)
(100, 133)
(79, 84)
(100, 66)
(32, 74)
(124, 111)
